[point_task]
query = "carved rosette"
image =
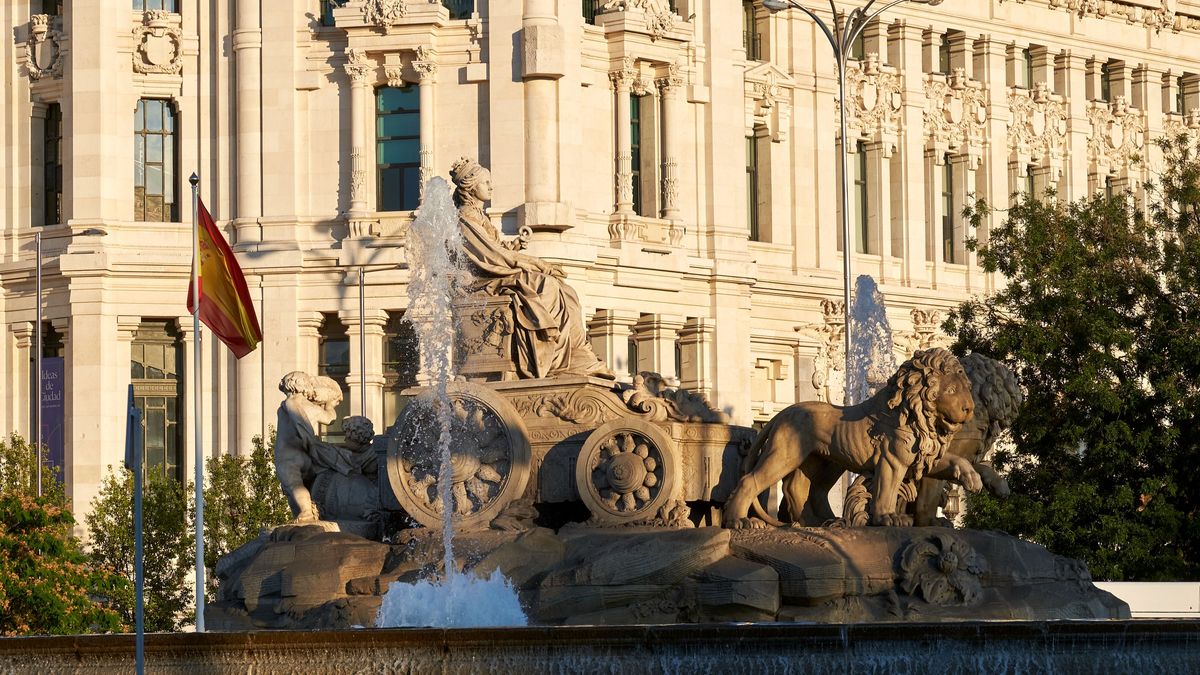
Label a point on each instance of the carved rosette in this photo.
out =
(1037, 129)
(955, 112)
(358, 66)
(489, 450)
(383, 13)
(626, 472)
(42, 54)
(944, 569)
(875, 98)
(1118, 135)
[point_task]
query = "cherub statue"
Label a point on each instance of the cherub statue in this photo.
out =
(299, 451)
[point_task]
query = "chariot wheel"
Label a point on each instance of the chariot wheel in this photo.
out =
(627, 470)
(489, 457)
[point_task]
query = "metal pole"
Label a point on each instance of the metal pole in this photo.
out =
(362, 340)
(139, 612)
(197, 292)
(37, 400)
(847, 243)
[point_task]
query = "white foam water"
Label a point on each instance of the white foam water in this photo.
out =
(459, 600)
(462, 601)
(872, 360)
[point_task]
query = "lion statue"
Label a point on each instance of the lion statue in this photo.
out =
(998, 399)
(898, 435)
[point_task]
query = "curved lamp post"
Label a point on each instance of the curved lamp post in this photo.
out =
(841, 37)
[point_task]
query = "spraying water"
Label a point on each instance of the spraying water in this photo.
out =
(461, 600)
(872, 361)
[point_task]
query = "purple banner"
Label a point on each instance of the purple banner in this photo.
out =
(53, 411)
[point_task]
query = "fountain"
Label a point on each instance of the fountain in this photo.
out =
(872, 360)
(522, 481)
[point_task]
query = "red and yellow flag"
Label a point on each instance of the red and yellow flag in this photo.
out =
(225, 305)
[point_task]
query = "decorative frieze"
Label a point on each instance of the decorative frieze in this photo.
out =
(875, 98)
(1037, 128)
(1158, 18)
(42, 50)
(955, 112)
(1118, 135)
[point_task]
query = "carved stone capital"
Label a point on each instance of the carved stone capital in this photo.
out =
(624, 78)
(425, 64)
(358, 66)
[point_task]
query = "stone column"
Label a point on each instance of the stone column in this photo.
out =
(247, 49)
(1071, 79)
(622, 81)
(370, 368)
(360, 71)
(1147, 89)
(427, 70)
(989, 69)
(608, 332)
(695, 345)
(308, 330)
(22, 377)
(671, 88)
(542, 64)
(906, 43)
(934, 182)
(656, 337)
(879, 211)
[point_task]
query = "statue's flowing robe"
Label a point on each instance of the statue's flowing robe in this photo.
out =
(549, 336)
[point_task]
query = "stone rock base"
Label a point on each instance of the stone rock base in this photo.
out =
(584, 575)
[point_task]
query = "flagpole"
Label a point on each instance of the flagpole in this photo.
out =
(37, 408)
(196, 293)
(362, 340)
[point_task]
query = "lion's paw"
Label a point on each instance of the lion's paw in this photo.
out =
(749, 523)
(890, 520)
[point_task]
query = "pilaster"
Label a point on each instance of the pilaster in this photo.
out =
(656, 337)
(366, 367)
(608, 332)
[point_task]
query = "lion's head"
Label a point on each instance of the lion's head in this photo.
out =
(932, 397)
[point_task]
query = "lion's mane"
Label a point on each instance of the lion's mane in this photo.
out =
(996, 390)
(912, 395)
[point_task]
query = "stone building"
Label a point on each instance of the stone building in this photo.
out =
(678, 159)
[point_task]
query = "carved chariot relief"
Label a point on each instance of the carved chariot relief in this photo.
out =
(1117, 138)
(42, 50)
(158, 43)
(875, 98)
(1037, 129)
(955, 113)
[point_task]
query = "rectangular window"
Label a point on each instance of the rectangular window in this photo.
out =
(635, 149)
(156, 376)
(1029, 189)
(858, 48)
(52, 191)
(944, 53)
(144, 5)
(398, 147)
(401, 361)
(631, 355)
(1105, 81)
(1179, 100)
(752, 187)
(327, 7)
(459, 9)
(51, 7)
(154, 155)
(590, 7)
(750, 38)
(948, 212)
(1108, 187)
(1027, 63)
(333, 361)
(862, 245)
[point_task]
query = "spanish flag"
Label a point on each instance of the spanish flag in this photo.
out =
(225, 305)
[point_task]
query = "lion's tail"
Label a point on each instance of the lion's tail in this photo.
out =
(752, 459)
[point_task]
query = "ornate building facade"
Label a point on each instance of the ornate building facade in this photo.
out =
(677, 159)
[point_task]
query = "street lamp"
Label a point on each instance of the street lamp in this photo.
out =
(841, 38)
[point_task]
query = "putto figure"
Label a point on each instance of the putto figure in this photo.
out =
(299, 452)
(549, 337)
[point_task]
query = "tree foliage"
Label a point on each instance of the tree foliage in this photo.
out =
(242, 497)
(47, 584)
(166, 544)
(1100, 318)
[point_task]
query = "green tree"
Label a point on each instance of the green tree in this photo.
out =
(242, 497)
(167, 545)
(47, 584)
(1100, 318)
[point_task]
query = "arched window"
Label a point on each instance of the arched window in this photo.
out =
(398, 147)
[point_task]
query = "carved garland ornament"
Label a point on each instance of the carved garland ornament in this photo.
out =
(829, 365)
(1118, 133)
(42, 57)
(955, 111)
(1038, 126)
(875, 98)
